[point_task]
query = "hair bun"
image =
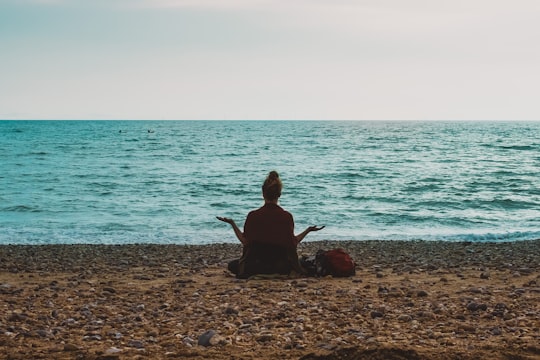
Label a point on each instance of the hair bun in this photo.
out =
(273, 175)
(272, 186)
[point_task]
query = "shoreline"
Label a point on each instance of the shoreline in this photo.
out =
(409, 299)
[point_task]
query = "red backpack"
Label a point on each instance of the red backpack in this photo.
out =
(335, 262)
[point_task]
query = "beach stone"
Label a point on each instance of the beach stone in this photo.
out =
(113, 350)
(92, 337)
(473, 306)
(422, 293)
(204, 339)
(230, 311)
(188, 341)
(468, 328)
(265, 336)
(405, 318)
(376, 314)
(484, 275)
(137, 344)
(110, 357)
(71, 347)
(43, 333)
(17, 316)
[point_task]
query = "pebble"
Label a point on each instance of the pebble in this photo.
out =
(265, 336)
(405, 318)
(92, 337)
(473, 306)
(376, 314)
(188, 341)
(204, 339)
(137, 344)
(71, 347)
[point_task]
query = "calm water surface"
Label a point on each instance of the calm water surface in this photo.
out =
(165, 181)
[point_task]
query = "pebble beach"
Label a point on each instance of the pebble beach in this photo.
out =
(408, 300)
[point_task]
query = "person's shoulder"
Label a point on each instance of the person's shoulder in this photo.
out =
(285, 212)
(255, 211)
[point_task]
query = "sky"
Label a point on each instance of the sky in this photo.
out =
(270, 59)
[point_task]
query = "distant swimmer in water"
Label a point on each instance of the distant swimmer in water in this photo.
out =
(268, 238)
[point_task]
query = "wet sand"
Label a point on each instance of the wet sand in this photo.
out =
(408, 300)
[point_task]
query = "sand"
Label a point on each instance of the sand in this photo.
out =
(408, 300)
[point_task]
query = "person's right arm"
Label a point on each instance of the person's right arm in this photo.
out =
(239, 234)
(303, 234)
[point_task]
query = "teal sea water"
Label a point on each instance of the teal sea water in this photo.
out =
(119, 182)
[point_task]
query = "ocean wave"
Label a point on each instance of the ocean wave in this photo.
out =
(518, 147)
(21, 208)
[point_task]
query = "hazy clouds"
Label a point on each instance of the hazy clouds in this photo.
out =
(262, 59)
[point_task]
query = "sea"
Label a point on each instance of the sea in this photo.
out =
(164, 182)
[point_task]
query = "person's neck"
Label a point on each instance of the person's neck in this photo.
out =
(273, 202)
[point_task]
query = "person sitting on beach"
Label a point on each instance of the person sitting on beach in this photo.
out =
(269, 243)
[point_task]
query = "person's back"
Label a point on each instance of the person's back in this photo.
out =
(270, 225)
(268, 237)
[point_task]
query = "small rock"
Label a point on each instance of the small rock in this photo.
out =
(137, 344)
(43, 333)
(405, 318)
(484, 275)
(204, 339)
(112, 351)
(109, 290)
(108, 357)
(376, 314)
(216, 340)
(472, 306)
(188, 341)
(15, 316)
(92, 337)
(71, 347)
(468, 328)
(230, 311)
(265, 336)
(422, 293)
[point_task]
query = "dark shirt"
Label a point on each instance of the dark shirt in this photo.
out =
(271, 244)
(270, 225)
